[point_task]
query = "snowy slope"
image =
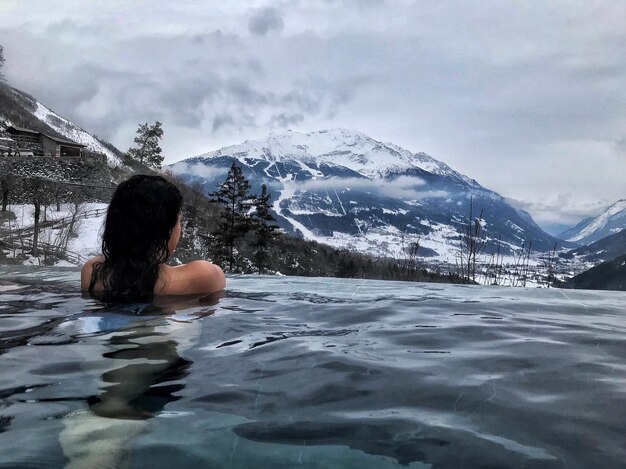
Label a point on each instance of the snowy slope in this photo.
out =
(88, 226)
(611, 221)
(340, 147)
(23, 110)
(73, 132)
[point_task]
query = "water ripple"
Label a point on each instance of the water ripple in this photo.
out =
(315, 372)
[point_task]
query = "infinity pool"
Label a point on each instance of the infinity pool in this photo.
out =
(311, 372)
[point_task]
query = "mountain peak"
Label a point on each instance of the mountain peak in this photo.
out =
(347, 148)
(620, 204)
(612, 220)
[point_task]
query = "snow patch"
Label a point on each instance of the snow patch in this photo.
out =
(73, 132)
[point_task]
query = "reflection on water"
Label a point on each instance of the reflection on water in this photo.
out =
(124, 363)
(142, 344)
(284, 372)
(139, 346)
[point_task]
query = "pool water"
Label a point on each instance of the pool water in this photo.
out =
(311, 372)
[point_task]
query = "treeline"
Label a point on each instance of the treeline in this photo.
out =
(292, 256)
(236, 230)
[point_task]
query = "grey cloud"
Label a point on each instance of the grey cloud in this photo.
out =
(222, 91)
(528, 100)
(265, 20)
(200, 170)
(306, 99)
(285, 120)
(222, 120)
(359, 3)
(620, 146)
(561, 209)
(403, 187)
(244, 92)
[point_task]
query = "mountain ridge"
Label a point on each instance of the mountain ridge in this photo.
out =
(346, 189)
(364, 162)
(592, 229)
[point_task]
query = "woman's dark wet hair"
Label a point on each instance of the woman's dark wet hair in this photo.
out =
(142, 213)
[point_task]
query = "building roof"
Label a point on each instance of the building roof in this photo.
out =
(64, 141)
(60, 140)
(22, 129)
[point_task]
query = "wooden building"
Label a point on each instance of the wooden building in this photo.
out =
(55, 146)
(33, 143)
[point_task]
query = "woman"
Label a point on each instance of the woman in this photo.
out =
(141, 231)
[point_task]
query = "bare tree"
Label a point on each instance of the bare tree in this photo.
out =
(493, 273)
(521, 266)
(473, 240)
(550, 270)
(37, 190)
(57, 192)
(60, 237)
(8, 183)
(197, 195)
(409, 246)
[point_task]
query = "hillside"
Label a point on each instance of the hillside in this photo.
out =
(610, 275)
(589, 230)
(22, 110)
(605, 249)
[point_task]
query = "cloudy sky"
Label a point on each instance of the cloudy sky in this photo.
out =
(528, 98)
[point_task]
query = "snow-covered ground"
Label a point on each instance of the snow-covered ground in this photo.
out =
(87, 244)
(385, 242)
(87, 227)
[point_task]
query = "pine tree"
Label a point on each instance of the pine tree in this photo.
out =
(147, 150)
(265, 228)
(234, 221)
(346, 267)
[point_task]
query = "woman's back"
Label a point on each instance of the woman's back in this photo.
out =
(141, 231)
(187, 279)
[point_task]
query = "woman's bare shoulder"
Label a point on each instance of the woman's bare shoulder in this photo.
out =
(194, 277)
(209, 275)
(85, 272)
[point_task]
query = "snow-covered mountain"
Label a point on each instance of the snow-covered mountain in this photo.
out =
(22, 110)
(609, 222)
(343, 188)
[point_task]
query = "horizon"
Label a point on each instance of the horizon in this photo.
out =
(528, 101)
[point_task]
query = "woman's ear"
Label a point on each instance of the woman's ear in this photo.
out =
(174, 236)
